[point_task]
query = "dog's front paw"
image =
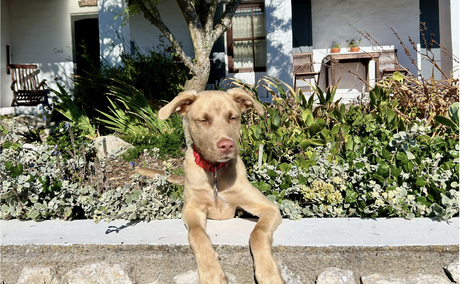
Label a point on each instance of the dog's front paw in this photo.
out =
(213, 277)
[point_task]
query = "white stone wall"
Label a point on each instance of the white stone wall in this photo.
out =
(449, 11)
(279, 39)
(111, 30)
(5, 95)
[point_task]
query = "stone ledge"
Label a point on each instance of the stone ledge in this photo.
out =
(235, 232)
(158, 252)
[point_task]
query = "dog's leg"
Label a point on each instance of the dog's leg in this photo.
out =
(209, 268)
(266, 268)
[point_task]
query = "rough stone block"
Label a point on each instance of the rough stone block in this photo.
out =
(98, 273)
(334, 275)
(115, 146)
(452, 271)
(42, 275)
(385, 279)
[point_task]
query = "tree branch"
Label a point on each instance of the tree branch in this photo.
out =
(225, 20)
(210, 17)
(152, 14)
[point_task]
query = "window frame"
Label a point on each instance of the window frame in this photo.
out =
(231, 40)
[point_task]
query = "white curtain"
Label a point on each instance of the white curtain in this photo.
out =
(244, 50)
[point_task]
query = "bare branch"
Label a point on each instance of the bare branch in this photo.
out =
(210, 17)
(152, 14)
(225, 20)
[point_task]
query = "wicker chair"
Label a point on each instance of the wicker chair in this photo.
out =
(303, 67)
(388, 63)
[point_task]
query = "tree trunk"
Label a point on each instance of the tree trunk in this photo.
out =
(204, 35)
(198, 83)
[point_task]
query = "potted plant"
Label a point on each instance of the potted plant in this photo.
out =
(335, 48)
(353, 45)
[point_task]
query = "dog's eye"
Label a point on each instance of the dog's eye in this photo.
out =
(203, 120)
(233, 118)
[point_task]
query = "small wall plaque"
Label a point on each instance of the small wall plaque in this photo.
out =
(87, 3)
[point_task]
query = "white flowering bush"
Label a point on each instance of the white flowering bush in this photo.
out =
(38, 183)
(403, 177)
(330, 160)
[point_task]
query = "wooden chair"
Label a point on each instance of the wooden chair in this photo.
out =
(388, 63)
(303, 67)
(27, 89)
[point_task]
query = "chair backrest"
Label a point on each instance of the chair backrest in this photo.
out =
(25, 76)
(303, 63)
(389, 60)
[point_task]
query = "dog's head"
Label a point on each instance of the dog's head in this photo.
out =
(213, 120)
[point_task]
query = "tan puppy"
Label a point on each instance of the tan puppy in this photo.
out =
(215, 180)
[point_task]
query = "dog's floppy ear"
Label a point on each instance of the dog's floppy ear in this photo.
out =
(244, 100)
(180, 104)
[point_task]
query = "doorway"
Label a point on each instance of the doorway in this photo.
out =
(86, 45)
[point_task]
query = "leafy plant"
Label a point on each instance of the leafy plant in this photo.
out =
(71, 111)
(132, 116)
(452, 120)
(354, 43)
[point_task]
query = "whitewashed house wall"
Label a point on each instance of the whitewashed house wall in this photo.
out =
(41, 32)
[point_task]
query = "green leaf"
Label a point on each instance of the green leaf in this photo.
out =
(420, 182)
(285, 167)
(378, 177)
(9, 165)
(360, 165)
(18, 170)
(256, 130)
(445, 121)
(383, 170)
(409, 216)
(402, 157)
(313, 129)
(422, 200)
(395, 171)
(318, 142)
(264, 187)
(387, 155)
(34, 215)
(349, 144)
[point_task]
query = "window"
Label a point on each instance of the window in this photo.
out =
(301, 25)
(246, 41)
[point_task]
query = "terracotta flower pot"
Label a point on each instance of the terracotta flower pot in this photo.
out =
(335, 50)
(354, 49)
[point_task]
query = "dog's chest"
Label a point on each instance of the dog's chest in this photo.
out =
(220, 209)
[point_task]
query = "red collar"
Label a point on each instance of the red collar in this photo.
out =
(203, 163)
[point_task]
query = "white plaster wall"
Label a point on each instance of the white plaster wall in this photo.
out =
(279, 39)
(331, 19)
(279, 47)
(111, 31)
(449, 26)
(455, 29)
(39, 32)
(445, 34)
(147, 35)
(5, 80)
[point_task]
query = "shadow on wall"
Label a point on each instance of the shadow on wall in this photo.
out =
(279, 37)
(110, 28)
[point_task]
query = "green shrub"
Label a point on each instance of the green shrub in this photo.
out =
(153, 72)
(40, 184)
